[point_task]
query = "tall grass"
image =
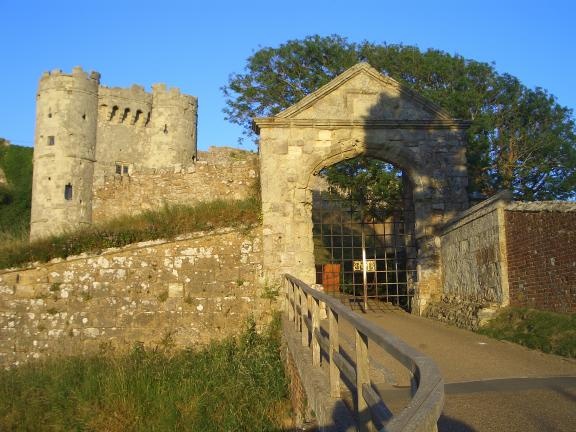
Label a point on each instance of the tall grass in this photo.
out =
(234, 385)
(546, 331)
(167, 222)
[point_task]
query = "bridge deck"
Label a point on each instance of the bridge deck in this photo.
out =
(490, 385)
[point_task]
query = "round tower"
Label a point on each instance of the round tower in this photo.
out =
(172, 128)
(64, 152)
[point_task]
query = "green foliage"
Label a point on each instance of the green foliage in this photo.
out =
(372, 185)
(15, 199)
(166, 223)
(546, 331)
(270, 291)
(233, 385)
(520, 138)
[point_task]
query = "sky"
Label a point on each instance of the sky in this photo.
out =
(196, 45)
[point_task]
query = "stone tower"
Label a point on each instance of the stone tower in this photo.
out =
(173, 127)
(64, 152)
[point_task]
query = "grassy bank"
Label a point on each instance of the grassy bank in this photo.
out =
(15, 198)
(233, 385)
(165, 223)
(546, 331)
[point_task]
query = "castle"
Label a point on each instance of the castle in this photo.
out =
(85, 132)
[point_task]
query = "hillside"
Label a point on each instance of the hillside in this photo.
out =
(16, 193)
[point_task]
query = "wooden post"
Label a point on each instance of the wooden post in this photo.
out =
(315, 327)
(362, 377)
(334, 348)
(298, 300)
(290, 296)
(304, 306)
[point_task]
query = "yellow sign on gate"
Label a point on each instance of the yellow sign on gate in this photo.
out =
(370, 266)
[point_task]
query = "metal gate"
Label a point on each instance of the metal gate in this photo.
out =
(367, 260)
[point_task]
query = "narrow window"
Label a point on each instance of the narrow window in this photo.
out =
(125, 169)
(68, 192)
(118, 169)
(165, 128)
(51, 140)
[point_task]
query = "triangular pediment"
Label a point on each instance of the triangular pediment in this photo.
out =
(363, 94)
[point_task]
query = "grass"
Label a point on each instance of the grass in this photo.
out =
(15, 199)
(165, 223)
(233, 385)
(546, 331)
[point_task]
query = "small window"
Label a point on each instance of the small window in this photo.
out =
(68, 192)
(122, 168)
(51, 140)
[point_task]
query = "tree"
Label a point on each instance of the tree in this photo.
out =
(520, 138)
(375, 187)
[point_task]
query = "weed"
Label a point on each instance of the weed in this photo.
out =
(188, 299)
(55, 287)
(163, 296)
(85, 296)
(240, 282)
(270, 292)
(52, 311)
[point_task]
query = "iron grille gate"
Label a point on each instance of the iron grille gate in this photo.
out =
(368, 261)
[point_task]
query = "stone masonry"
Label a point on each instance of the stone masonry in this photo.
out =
(359, 112)
(85, 132)
(501, 253)
(222, 172)
(188, 291)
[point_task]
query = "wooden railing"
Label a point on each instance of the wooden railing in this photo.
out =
(303, 306)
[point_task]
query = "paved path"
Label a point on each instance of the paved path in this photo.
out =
(490, 385)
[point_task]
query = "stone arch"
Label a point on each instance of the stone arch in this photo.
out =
(359, 112)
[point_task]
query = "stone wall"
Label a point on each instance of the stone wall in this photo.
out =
(188, 291)
(473, 255)
(501, 253)
(219, 173)
(541, 242)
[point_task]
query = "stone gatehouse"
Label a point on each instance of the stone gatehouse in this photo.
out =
(361, 112)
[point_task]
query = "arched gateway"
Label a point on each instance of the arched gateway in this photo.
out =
(360, 112)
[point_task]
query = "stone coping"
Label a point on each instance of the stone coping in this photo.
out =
(548, 206)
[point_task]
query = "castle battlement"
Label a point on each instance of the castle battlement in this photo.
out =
(77, 72)
(85, 132)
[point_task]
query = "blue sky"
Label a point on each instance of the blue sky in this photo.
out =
(196, 45)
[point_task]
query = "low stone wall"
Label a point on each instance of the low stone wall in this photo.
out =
(474, 255)
(185, 292)
(502, 253)
(219, 173)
